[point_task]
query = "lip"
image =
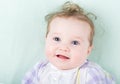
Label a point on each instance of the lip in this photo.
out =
(63, 57)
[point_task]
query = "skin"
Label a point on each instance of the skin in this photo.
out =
(67, 42)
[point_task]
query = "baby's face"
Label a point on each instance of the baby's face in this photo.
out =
(67, 43)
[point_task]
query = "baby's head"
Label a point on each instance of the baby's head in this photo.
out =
(71, 10)
(69, 37)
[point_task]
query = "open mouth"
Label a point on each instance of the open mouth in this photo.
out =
(62, 57)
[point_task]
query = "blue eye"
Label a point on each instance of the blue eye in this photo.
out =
(75, 43)
(56, 39)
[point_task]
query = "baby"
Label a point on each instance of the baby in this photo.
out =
(69, 41)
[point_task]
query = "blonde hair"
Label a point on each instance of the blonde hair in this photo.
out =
(70, 9)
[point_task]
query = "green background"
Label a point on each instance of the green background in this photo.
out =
(22, 35)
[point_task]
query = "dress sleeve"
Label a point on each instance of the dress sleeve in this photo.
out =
(99, 76)
(31, 77)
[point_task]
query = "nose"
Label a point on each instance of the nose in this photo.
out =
(64, 48)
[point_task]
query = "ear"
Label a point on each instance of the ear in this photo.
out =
(89, 50)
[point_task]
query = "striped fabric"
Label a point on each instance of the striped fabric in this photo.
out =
(45, 73)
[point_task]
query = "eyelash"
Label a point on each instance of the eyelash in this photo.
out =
(75, 42)
(56, 39)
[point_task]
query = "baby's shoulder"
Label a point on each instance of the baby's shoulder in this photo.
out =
(95, 72)
(31, 77)
(93, 66)
(40, 64)
(95, 69)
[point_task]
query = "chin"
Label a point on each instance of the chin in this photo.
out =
(64, 67)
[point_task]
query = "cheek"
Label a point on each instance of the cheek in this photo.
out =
(79, 55)
(78, 59)
(49, 50)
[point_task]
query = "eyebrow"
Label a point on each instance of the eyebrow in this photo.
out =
(78, 38)
(55, 33)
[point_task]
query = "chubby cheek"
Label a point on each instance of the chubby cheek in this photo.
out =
(79, 58)
(49, 51)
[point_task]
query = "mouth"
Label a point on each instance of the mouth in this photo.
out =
(63, 57)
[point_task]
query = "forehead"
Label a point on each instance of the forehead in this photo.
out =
(69, 24)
